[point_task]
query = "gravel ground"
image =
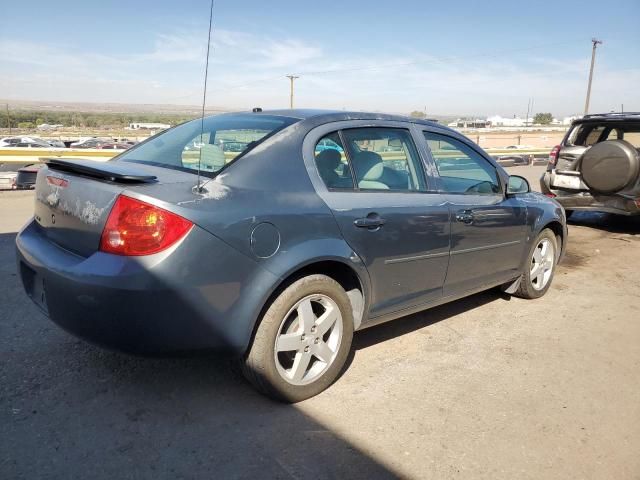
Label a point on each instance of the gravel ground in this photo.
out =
(486, 387)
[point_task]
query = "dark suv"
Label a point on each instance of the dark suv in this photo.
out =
(596, 167)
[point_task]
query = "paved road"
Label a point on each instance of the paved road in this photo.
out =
(487, 387)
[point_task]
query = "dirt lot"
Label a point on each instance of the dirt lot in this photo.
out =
(487, 387)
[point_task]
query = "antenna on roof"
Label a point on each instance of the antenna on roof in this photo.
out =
(204, 97)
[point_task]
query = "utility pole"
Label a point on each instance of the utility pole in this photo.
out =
(291, 79)
(8, 119)
(595, 42)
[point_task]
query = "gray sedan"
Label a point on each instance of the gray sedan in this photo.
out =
(279, 252)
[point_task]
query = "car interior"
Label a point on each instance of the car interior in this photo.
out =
(386, 159)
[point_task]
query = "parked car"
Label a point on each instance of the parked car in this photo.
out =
(26, 178)
(10, 141)
(513, 160)
(7, 177)
(113, 146)
(518, 147)
(56, 143)
(233, 146)
(596, 167)
(24, 142)
(280, 254)
(89, 143)
(32, 144)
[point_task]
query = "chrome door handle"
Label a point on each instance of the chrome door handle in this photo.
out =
(369, 222)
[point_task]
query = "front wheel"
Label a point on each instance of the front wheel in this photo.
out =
(303, 340)
(540, 267)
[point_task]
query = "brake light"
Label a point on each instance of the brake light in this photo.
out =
(553, 155)
(550, 195)
(57, 182)
(138, 228)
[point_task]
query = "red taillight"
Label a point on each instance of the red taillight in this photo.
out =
(553, 155)
(58, 182)
(550, 195)
(137, 228)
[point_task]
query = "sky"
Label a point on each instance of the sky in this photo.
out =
(445, 58)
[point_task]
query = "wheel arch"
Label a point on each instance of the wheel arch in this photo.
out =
(336, 268)
(556, 227)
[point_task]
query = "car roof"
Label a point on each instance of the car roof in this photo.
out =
(613, 116)
(338, 115)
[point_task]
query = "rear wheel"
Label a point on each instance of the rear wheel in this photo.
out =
(540, 268)
(302, 341)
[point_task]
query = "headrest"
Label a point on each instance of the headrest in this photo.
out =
(368, 165)
(328, 159)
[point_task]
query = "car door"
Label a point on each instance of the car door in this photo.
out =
(487, 227)
(375, 185)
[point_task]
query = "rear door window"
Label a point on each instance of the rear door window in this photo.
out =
(331, 162)
(384, 159)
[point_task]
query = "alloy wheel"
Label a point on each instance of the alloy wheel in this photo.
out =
(542, 263)
(308, 339)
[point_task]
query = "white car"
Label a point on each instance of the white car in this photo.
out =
(23, 142)
(518, 147)
(8, 174)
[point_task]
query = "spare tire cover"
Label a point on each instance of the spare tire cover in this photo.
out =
(609, 167)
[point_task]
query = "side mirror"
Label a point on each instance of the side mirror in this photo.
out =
(517, 184)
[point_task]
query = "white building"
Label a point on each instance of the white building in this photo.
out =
(468, 123)
(568, 120)
(498, 121)
(47, 126)
(148, 126)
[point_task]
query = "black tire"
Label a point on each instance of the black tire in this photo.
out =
(526, 288)
(259, 365)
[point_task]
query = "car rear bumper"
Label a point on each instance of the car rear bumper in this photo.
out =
(585, 201)
(169, 302)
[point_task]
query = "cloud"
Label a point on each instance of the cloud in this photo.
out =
(247, 69)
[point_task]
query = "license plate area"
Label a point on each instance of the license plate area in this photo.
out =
(567, 181)
(34, 285)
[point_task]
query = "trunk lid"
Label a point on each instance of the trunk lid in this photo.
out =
(74, 198)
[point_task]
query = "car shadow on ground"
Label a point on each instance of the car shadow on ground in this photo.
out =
(607, 222)
(70, 409)
(396, 328)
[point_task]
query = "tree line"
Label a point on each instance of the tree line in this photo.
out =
(31, 119)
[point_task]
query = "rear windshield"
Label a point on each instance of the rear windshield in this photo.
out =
(223, 138)
(588, 134)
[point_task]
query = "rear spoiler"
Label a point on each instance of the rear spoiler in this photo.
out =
(112, 171)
